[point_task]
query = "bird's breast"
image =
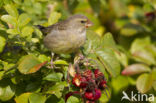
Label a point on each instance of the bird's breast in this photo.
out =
(65, 41)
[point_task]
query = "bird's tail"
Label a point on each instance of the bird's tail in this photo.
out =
(41, 28)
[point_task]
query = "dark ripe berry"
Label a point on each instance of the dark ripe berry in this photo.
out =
(98, 74)
(102, 85)
(93, 95)
(90, 101)
(87, 74)
(70, 94)
(79, 81)
(150, 15)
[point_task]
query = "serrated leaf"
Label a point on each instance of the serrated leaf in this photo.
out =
(36, 98)
(135, 69)
(9, 19)
(6, 92)
(107, 41)
(23, 19)
(2, 43)
(29, 64)
(10, 8)
(27, 31)
(23, 98)
(109, 61)
(55, 77)
(103, 49)
(144, 82)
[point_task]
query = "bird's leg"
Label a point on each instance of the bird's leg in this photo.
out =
(51, 62)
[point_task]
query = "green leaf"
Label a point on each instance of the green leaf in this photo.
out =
(140, 52)
(107, 41)
(144, 56)
(43, 58)
(119, 83)
(109, 61)
(23, 19)
(56, 77)
(154, 85)
(57, 89)
(73, 99)
(27, 31)
(144, 82)
(140, 44)
(103, 49)
(122, 57)
(23, 98)
(1, 74)
(9, 19)
(29, 64)
(2, 43)
(13, 31)
(135, 69)
(94, 4)
(128, 31)
(63, 62)
(11, 9)
(17, 1)
(6, 92)
(36, 98)
(54, 17)
(152, 49)
(1, 3)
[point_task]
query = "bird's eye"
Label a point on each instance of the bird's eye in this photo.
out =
(83, 21)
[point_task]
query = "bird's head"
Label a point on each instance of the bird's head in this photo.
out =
(80, 21)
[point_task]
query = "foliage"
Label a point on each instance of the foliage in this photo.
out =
(122, 43)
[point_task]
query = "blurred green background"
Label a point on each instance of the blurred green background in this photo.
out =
(128, 32)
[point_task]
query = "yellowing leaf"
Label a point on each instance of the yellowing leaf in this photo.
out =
(36, 98)
(144, 82)
(23, 19)
(9, 19)
(10, 8)
(135, 69)
(26, 31)
(29, 64)
(23, 98)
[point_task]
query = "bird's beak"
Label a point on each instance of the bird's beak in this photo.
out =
(89, 23)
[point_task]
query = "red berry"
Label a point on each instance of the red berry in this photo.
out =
(79, 81)
(97, 73)
(70, 94)
(102, 85)
(88, 74)
(93, 95)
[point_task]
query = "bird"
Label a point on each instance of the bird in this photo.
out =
(66, 36)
